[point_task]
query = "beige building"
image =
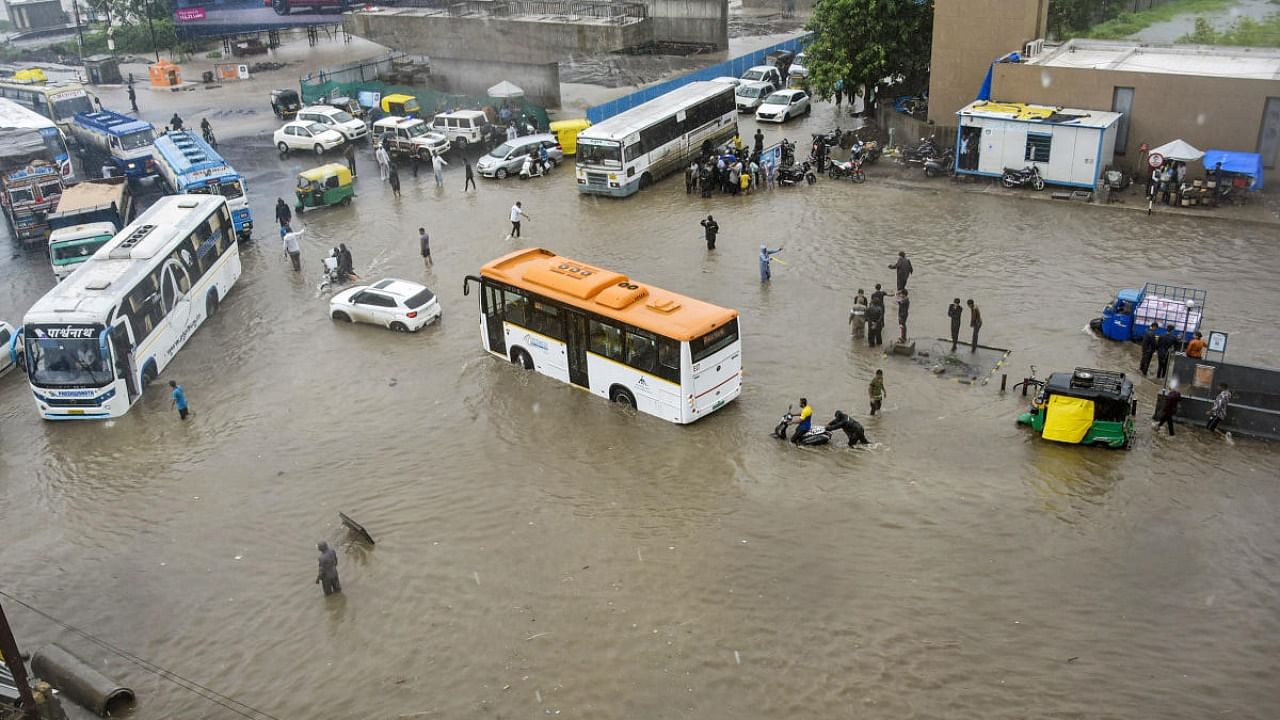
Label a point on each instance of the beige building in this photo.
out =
(1222, 98)
(968, 35)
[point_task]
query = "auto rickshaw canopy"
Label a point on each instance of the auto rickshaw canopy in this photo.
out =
(319, 175)
(400, 102)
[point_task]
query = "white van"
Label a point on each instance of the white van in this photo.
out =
(335, 119)
(463, 127)
(763, 73)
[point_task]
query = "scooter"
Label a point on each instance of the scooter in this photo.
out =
(944, 164)
(530, 170)
(795, 174)
(1029, 175)
(817, 435)
(851, 169)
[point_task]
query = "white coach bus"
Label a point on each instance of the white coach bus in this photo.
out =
(94, 342)
(664, 354)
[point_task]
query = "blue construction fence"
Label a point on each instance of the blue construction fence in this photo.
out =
(730, 68)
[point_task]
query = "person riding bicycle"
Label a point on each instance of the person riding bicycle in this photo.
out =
(803, 421)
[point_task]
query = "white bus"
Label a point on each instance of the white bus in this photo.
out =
(659, 352)
(634, 149)
(94, 342)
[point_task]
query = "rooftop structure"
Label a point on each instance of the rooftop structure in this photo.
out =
(1202, 60)
(1025, 112)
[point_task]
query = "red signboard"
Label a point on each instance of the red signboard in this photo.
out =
(190, 14)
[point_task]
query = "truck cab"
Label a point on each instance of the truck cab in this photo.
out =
(1130, 315)
(69, 247)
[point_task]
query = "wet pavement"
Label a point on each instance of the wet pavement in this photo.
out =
(541, 552)
(1172, 30)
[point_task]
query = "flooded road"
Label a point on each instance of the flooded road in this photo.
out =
(541, 552)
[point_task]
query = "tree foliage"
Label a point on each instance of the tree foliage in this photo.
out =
(862, 43)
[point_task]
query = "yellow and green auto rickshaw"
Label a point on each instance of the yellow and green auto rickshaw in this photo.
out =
(401, 105)
(1084, 407)
(324, 186)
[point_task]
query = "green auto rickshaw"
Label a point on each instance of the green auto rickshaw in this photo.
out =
(1085, 407)
(324, 186)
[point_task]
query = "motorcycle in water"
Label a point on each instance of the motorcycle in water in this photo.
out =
(944, 164)
(795, 174)
(817, 435)
(918, 154)
(851, 169)
(1029, 175)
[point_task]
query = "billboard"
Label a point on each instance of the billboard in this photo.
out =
(226, 17)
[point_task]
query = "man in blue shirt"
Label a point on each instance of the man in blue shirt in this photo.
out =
(179, 399)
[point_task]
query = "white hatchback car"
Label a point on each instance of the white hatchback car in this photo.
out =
(335, 119)
(400, 305)
(782, 106)
(305, 135)
(6, 337)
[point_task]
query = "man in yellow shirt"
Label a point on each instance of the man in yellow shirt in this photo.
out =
(803, 421)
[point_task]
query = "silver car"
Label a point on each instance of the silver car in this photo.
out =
(751, 94)
(508, 158)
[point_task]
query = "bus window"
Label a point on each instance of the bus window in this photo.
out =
(605, 340)
(545, 319)
(515, 307)
(642, 351)
(714, 341)
(231, 189)
(669, 359)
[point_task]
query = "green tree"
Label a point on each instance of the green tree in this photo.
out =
(864, 43)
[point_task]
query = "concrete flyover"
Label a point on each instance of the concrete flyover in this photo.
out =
(477, 43)
(473, 44)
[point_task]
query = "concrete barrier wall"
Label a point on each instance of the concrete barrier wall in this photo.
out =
(1255, 396)
(702, 22)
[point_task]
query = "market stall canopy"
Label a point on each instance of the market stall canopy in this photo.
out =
(1241, 163)
(1179, 150)
(506, 89)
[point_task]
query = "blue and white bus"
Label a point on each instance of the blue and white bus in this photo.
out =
(94, 342)
(30, 135)
(125, 142)
(190, 166)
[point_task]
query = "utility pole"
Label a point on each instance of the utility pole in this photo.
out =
(75, 8)
(13, 660)
(152, 28)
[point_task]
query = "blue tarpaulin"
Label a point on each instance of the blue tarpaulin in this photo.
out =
(984, 93)
(1243, 163)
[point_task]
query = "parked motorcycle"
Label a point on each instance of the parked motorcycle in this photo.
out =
(795, 174)
(851, 169)
(817, 435)
(944, 164)
(926, 149)
(866, 152)
(1029, 175)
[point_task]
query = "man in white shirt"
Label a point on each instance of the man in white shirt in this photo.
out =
(289, 237)
(517, 212)
(384, 162)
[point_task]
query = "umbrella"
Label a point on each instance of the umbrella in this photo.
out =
(1178, 150)
(506, 89)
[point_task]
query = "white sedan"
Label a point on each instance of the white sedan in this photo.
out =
(6, 337)
(306, 135)
(782, 106)
(400, 305)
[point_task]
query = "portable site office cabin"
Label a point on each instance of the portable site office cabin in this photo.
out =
(1071, 147)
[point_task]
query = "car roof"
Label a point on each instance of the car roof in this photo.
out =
(462, 114)
(325, 109)
(394, 121)
(398, 288)
(755, 83)
(789, 92)
(537, 137)
(761, 67)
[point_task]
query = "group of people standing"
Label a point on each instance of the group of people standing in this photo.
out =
(731, 174)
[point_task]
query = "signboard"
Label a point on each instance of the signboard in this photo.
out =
(190, 14)
(1155, 160)
(196, 18)
(1218, 341)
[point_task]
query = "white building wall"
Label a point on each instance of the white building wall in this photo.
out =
(1073, 153)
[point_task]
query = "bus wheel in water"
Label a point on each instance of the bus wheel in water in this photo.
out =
(622, 396)
(521, 358)
(645, 180)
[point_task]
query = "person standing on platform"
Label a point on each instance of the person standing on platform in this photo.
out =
(975, 322)
(903, 266)
(954, 311)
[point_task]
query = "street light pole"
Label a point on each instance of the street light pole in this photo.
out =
(75, 8)
(152, 28)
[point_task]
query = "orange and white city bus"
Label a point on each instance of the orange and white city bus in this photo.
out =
(662, 353)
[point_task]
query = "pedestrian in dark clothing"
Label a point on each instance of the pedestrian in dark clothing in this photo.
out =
(386, 142)
(853, 429)
(1164, 347)
(414, 161)
(394, 178)
(876, 391)
(875, 322)
(711, 227)
(877, 296)
(327, 577)
(903, 266)
(283, 214)
(179, 400)
(1218, 412)
(349, 152)
(346, 266)
(759, 145)
(975, 322)
(424, 245)
(1171, 400)
(133, 99)
(471, 177)
(176, 122)
(904, 308)
(1148, 348)
(954, 311)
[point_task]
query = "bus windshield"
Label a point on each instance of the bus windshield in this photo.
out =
(65, 108)
(604, 154)
(53, 144)
(231, 189)
(139, 139)
(714, 341)
(66, 362)
(19, 196)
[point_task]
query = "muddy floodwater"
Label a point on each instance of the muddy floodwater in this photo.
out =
(540, 552)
